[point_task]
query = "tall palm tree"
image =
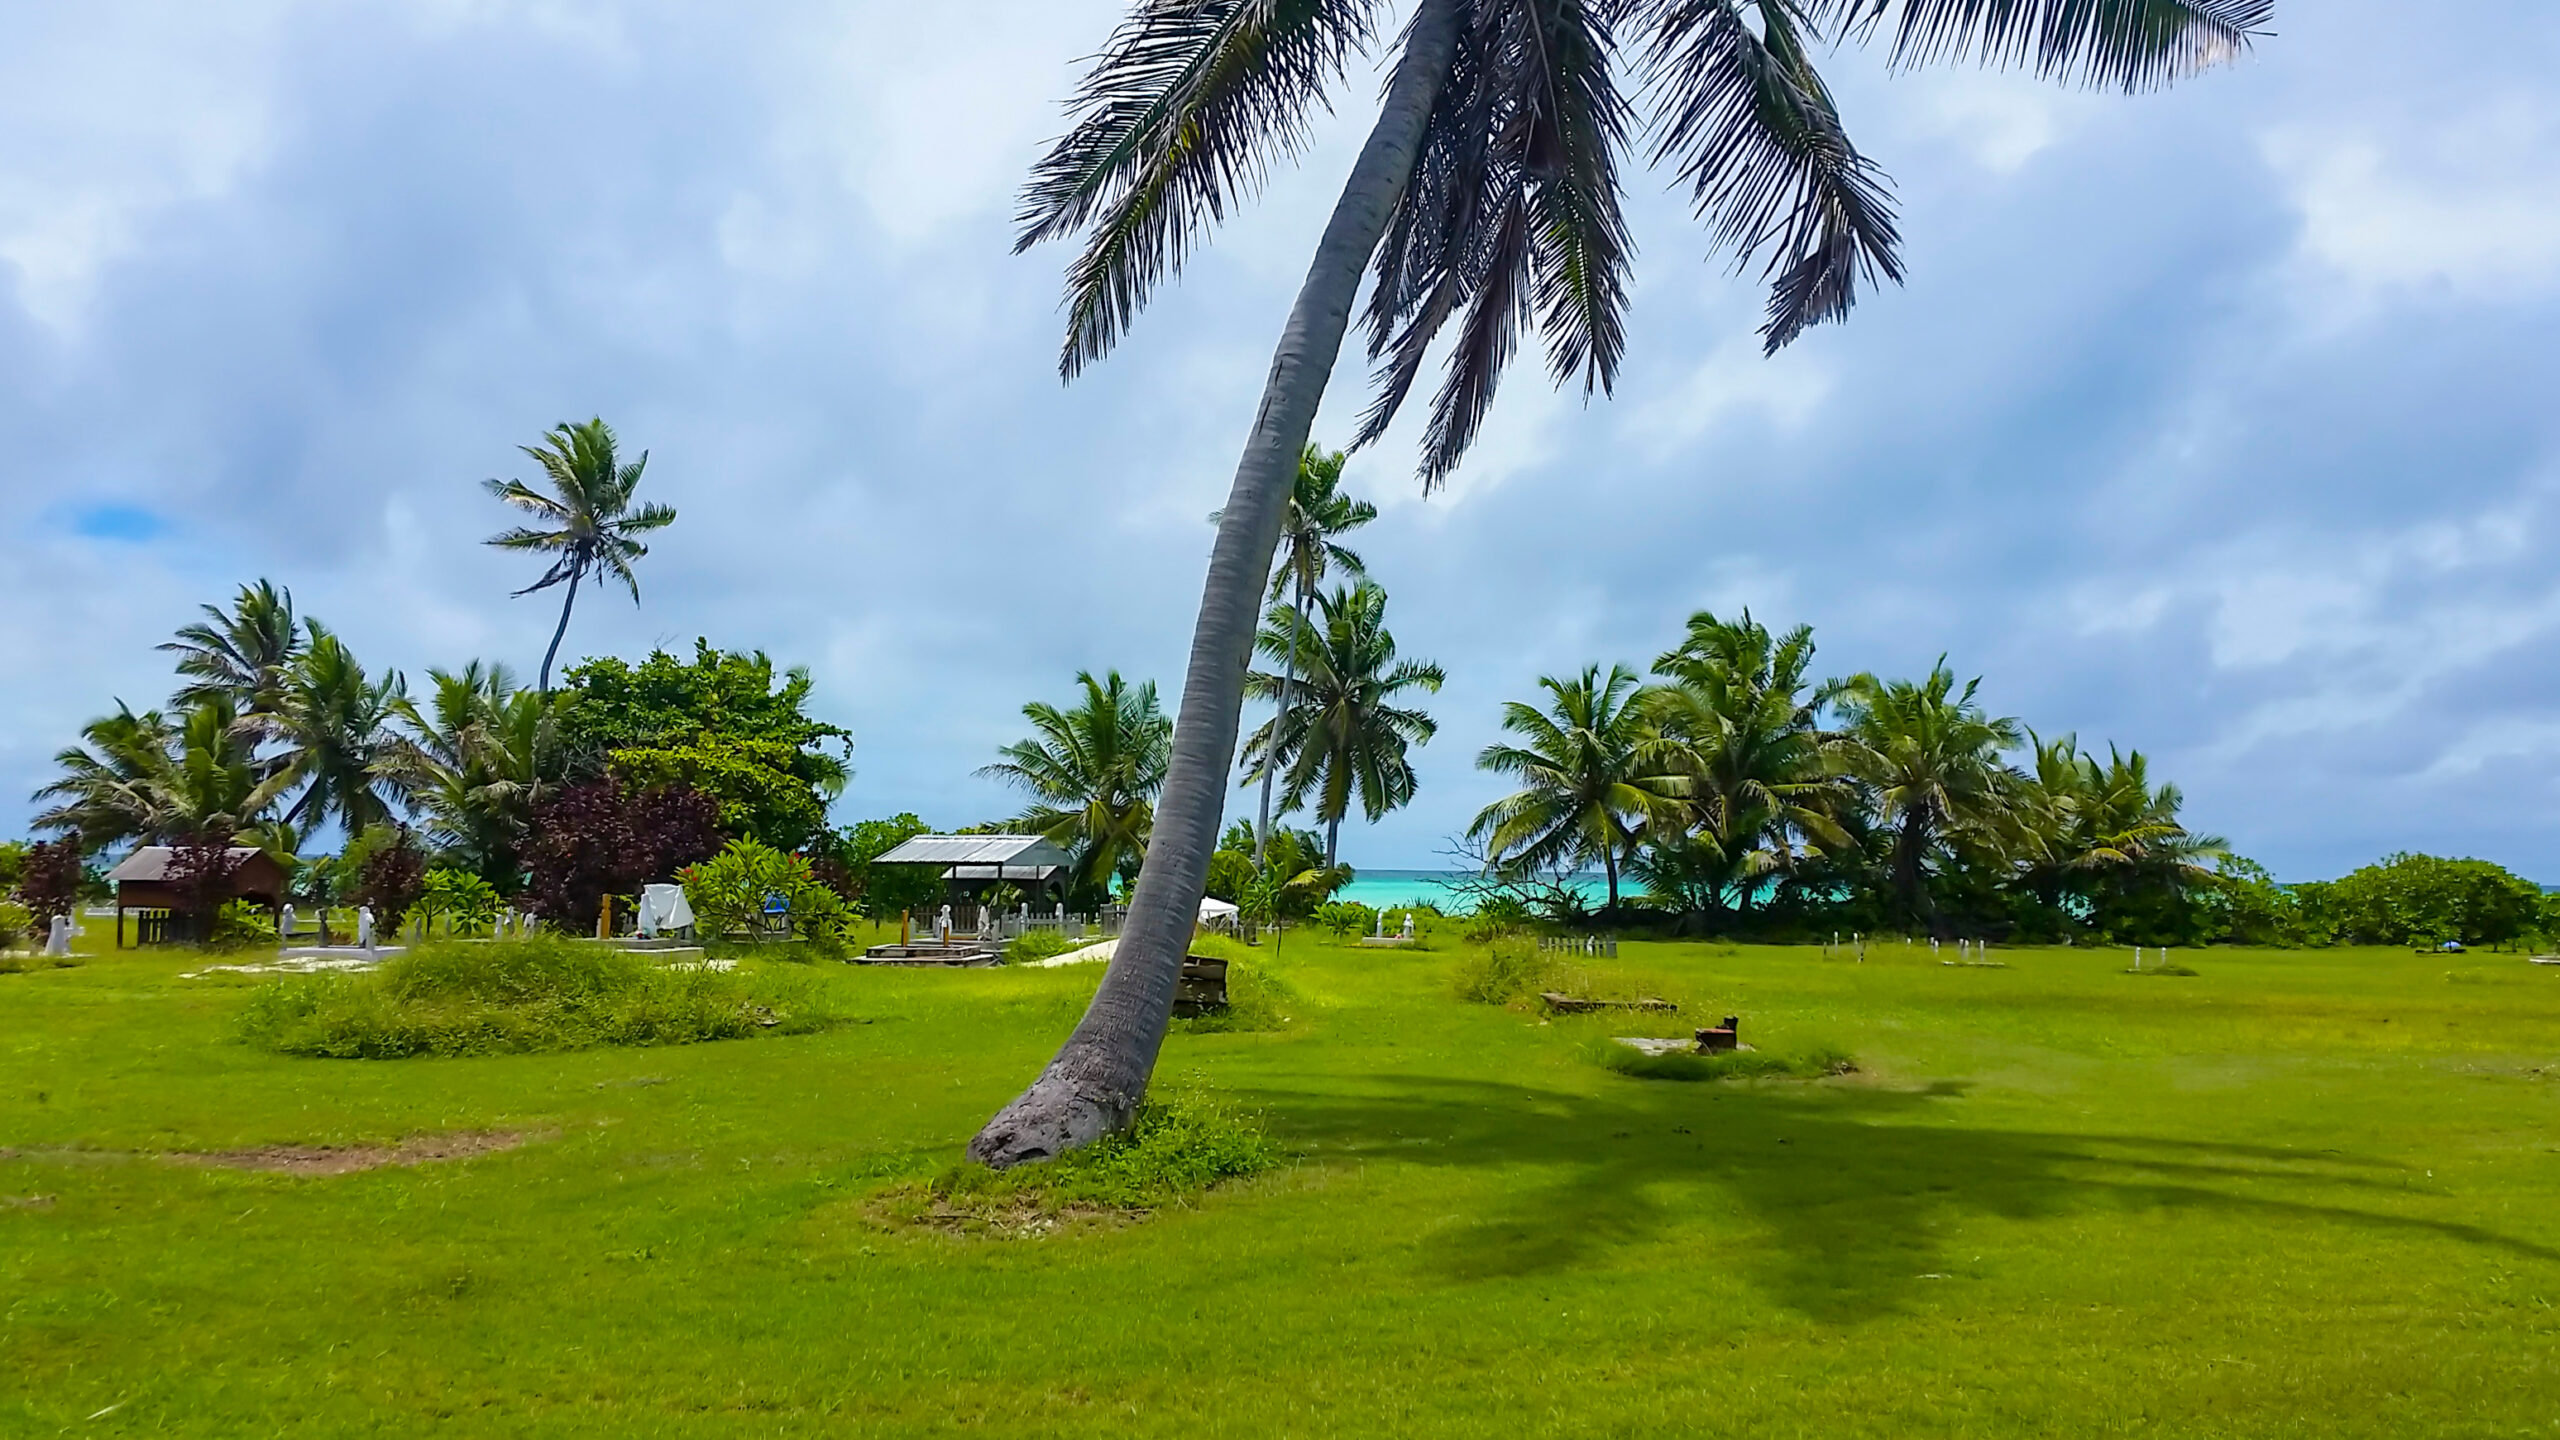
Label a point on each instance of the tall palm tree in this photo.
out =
(586, 524)
(1317, 512)
(2105, 826)
(339, 741)
(1093, 773)
(479, 759)
(1342, 736)
(147, 779)
(1928, 757)
(1487, 191)
(242, 653)
(1585, 792)
(1738, 722)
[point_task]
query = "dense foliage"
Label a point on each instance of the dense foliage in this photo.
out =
(721, 725)
(604, 838)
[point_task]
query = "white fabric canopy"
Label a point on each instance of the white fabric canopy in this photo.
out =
(1217, 913)
(663, 907)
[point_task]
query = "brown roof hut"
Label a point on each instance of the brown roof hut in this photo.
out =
(142, 881)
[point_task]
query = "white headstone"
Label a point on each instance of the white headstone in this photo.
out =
(942, 924)
(364, 928)
(57, 940)
(1408, 924)
(284, 927)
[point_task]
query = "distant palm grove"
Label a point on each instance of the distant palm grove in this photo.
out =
(1724, 791)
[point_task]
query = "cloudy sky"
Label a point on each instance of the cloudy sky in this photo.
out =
(2218, 423)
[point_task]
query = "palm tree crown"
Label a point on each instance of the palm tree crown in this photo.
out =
(240, 654)
(1929, 758)
(146, 779)
(1342, 735)
(477, 762)
(1585, 788)
(1093, 773)
(335, 725)
(586, 524)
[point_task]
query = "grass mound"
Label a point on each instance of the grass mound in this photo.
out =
(1184, 1143)
(1726, 1065)
(546, 993)
(1033, 945)
(1507, 969)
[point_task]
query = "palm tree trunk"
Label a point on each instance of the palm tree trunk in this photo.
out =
(1332, 840)
(1609, 862)
(1100, 1075)
(562, 629)
(1271, 755)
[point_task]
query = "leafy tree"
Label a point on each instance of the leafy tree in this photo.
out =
(602, 837)
(1586, 792)
(467, 904)
(388, 870)
(2423, 899)
(1341, 736)
(586, 524)
(1317, 512)
(240, 655)
(1928, 758)
(881, 891)
(1093, 772)
(49, 878)
(2107, 838)
(729, 890)
(1486, 193)
(723, 725)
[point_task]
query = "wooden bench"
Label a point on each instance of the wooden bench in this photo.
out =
(1203, 988)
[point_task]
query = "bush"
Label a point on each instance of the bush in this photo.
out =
(1726, 1065)
(1346, 917)
(466, 903)
(545, 993)
(239, 925)
(728, 893)
(17, 925)
(1183, 1143)
(1038, 945)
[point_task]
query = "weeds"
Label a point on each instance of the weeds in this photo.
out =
(1257, 1000)
(1183, 1143)
(1724, 1065)
(518, 996)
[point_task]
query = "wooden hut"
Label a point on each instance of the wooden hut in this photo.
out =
(142, 884)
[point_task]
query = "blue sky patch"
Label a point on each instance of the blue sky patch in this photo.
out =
(117, 522)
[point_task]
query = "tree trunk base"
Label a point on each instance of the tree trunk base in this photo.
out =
(1060, 1111)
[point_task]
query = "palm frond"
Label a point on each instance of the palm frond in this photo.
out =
(1178, 120)
(2112, 44)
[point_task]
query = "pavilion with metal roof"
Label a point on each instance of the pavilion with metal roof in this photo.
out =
(975, 863)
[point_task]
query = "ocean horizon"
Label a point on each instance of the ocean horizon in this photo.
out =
(1387, 889)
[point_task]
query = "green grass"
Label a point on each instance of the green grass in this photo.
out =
(2311, 1194)
(1728, 1065)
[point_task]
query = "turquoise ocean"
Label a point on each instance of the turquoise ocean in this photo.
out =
(1386, 889)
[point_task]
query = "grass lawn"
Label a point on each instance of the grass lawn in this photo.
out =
(2309, 1194)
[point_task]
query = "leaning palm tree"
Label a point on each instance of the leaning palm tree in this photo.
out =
(1093, 773)
(1341, 736)
(1486, 193)
(1928, 757)
(586, 524)
(1317, 512)
(1586, 792)
(240, 654)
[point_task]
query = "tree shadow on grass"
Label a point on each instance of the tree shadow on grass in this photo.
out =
(1851, 1183)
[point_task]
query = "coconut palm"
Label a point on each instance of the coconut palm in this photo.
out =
(586, 524)
(2105, 830)
(1738, 722)
(241, 653)
(1341, 735)
(148, 779)
(479, 759)
(1317, 512)
(337, 737)
(1487, 193)
(1928, 758)
(1093, 773)
(1586, 792)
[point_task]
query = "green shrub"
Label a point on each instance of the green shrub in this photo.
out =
(1039, 945)
(240, 926)
(17, 924)
(1183, 1143)
(1726, 1065)
(1345, 917)
(728, 894)
(466, 903)
(511, 996)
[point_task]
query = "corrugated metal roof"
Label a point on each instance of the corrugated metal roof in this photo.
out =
(151, 862)
(976, 850)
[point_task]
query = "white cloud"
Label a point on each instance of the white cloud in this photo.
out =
(1735, 381)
